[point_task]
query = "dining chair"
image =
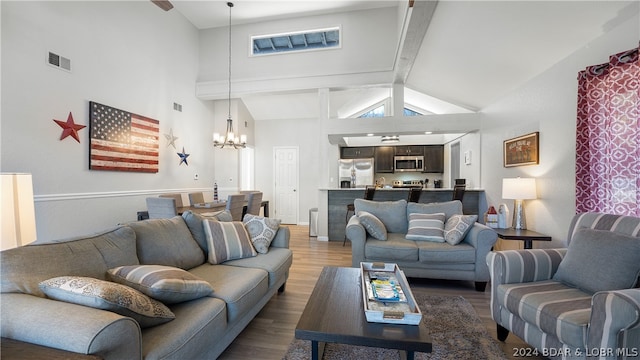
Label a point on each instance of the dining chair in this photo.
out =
(235, 205)
(254, 202)
(161, 207)
(178, 198)
(246, 193)
(196, 198)
(414, 194)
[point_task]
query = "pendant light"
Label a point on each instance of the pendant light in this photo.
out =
(230, 139)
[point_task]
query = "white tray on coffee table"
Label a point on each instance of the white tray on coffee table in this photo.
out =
(405, 311)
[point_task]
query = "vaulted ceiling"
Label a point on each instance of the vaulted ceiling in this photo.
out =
(470, 54)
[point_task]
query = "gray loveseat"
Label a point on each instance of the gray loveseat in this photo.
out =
(202, 328)
(580, 302)
(424, 259)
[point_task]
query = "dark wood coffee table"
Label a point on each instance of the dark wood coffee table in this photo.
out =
(335, 314)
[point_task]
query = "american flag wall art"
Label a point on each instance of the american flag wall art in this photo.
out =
(122, 141)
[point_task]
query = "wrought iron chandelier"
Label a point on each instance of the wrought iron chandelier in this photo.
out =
(230, 139)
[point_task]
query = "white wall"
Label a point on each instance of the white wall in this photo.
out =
(547, 104)
(302, 133)
(128, 55)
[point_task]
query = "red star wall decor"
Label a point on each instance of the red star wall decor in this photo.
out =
(69, 128)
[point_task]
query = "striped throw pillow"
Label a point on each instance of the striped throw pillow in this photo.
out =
(429, 227)
(227, 241)
(164, 283)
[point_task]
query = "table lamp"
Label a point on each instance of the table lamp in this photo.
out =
(18, 211)
(519, 189)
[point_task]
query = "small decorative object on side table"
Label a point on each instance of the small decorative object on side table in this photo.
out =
(528, 236)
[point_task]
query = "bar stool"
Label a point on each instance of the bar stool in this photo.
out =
(369, 191)
(414, 194)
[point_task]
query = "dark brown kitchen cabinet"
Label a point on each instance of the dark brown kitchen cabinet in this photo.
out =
(384, 159)
(410, 150)
(433, 158)
(358, 152)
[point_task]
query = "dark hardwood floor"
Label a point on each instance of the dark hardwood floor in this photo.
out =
(269, 334)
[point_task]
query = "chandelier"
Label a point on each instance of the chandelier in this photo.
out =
(230, 139)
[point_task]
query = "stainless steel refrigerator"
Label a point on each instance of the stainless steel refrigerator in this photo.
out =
(356, 172)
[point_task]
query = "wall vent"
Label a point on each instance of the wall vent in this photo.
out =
(59, 62)
(177, 107)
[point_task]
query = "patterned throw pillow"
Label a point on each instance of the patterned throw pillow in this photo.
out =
(428, 227)
(109, 296)
(457, 227)
(373, 225)
(227, 241)
(262, 230)
(164, 283)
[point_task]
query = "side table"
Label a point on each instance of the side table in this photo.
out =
(528, 236)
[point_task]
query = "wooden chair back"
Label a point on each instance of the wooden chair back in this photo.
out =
(178, 198)
(196, 198)
(161, 207)
(254, 201)
(235, 204)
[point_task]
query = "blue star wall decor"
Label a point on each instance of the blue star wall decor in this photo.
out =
(183, 157)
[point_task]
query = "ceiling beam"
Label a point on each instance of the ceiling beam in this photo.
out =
(415, 27)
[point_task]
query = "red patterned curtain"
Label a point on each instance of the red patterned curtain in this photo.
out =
(608, 137)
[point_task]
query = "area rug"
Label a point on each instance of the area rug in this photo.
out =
(456, 331)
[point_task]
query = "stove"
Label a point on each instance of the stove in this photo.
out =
(407, 183)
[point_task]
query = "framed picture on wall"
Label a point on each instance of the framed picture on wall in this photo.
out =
(522, 150)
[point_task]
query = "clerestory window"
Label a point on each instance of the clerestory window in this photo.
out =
(307, 40)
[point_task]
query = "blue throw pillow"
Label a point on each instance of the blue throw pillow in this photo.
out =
(600, 260)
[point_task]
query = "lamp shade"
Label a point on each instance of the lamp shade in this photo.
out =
(18, 211)
(519, 188)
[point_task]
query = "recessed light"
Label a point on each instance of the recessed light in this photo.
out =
(369, 134)
(428, 132)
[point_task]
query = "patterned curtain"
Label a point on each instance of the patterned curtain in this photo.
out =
(608, 137)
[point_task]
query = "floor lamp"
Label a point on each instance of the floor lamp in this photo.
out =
(519, 189)
(18, 210)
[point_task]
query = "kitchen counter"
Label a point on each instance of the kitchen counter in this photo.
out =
(474, 203)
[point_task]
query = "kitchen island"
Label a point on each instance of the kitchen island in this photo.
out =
(473, 203)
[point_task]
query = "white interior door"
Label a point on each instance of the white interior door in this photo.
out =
(286, 184)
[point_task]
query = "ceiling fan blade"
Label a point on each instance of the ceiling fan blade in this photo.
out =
(163, 4)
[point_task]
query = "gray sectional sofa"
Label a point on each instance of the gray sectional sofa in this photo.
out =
(418, 258)
(201, 328)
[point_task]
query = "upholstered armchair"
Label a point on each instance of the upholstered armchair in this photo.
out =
(577, 302)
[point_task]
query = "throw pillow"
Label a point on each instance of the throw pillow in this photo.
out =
(373, 225)
(393, 214)
(449, 208)
(164, 283)
(194, 223)
(428, 227)
(227, 241)
(600, 260)
(166, 242)
(457, 227)
(109, 296)
(262, 230)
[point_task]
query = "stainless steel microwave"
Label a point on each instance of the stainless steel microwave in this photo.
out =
(408, 163)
